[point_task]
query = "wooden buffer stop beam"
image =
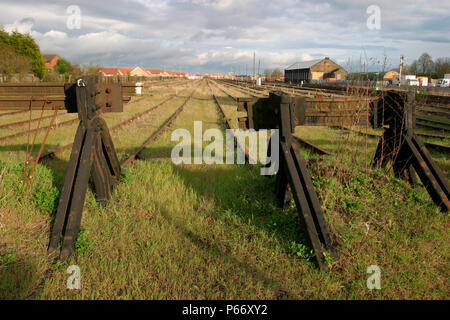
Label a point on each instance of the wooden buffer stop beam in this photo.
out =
(395, 114)
(283, 112)
(93, 154)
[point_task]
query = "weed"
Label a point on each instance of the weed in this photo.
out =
(45, 199)
(302, 251)
(84, 243)
(8, 259)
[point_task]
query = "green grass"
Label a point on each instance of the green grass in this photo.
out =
(214, 231)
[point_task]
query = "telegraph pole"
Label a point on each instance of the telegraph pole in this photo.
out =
(401, 67)
(253, 64)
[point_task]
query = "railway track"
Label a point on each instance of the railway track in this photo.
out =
(24, 122)
(54, 126)
(12, 113)
(431, 146)
(308, 145)
(228, 124)
(161, 129)
(52, 153)
(242, 89)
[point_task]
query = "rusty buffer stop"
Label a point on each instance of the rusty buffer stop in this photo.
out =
(92, 153)
(393, 112)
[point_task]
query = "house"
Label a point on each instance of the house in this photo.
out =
(157, 73)
(320, 69)
(125, 71)
(50, 60)
(109, 72)
(139, 71)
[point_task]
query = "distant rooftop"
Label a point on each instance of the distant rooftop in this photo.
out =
(303, 64)
(49, 57)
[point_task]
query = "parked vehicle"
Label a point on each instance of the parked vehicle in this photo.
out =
(443, 83)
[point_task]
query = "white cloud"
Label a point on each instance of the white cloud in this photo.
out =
(210, 35)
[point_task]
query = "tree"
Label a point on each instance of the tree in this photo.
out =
(442, 66)
(63, 66)
(412, 68)
(425, 63)
(24, 45)
(11, 63)
(90, 68)
(277, 73)
(267, 72)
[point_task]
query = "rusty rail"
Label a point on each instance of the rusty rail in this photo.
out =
(228, 123)
(51, 154)
(161, 129)
(24, 133)
(306, 144)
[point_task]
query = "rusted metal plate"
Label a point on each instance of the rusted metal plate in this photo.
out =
(261, 112)
(32, 89)
(109, 97)
(18, 96)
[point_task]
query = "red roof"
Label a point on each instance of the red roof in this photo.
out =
(125, 70)
(155, 71)
(110, 71)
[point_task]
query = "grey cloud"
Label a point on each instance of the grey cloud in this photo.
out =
(195, 33)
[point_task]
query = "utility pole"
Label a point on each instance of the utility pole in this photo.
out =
(401, 67)
(253, 64)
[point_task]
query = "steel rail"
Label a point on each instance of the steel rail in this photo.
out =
(23, 133)
(433, 146)
(161, 129)
(303, 142)
(228, 123)
(51, 154)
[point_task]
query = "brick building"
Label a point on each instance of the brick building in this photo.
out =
(320, 69)
(50, 60)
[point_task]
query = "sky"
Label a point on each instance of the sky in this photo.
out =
(205, 36)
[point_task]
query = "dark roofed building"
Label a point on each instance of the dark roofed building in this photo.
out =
(320, 69)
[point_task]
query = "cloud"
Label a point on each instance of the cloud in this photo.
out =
(23, 26)
(219, 35)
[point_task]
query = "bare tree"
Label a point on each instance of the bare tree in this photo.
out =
(277, 73)
(267, 72)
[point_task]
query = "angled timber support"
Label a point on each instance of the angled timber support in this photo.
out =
(400, 145)
(93, 154)
(280, 111)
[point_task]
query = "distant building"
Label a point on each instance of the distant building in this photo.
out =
(320, 69)
(50, 60)
(390, 75)
(139, 72)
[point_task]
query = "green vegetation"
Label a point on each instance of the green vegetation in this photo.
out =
(25, 46)
(63, 67)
